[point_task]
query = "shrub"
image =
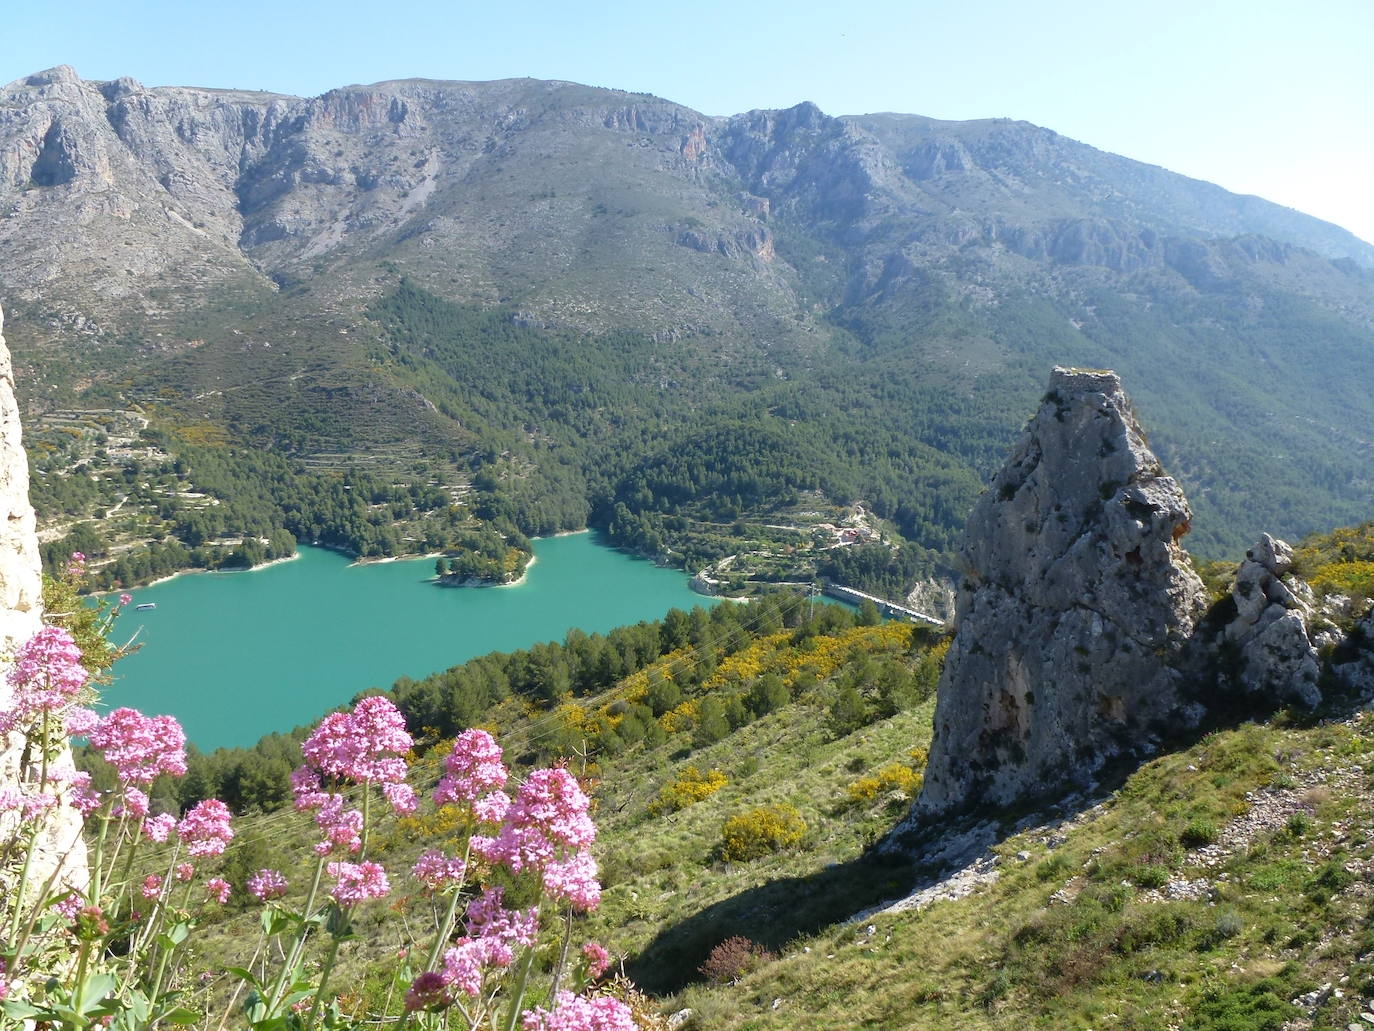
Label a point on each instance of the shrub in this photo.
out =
(1257, 1007)
(893, 777)
(760, 832)
(690, 787)
(1227, 925)
(734, 958)
(1199, 832)
(1151, 875)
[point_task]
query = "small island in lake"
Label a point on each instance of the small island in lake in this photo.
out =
(484, 557)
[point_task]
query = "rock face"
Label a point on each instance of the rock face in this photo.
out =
(1074, 610)
(1276, 655)
(21, 615)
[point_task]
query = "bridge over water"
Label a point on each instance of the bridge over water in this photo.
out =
(887, 608)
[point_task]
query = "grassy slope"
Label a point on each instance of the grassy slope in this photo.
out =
(1268, 824)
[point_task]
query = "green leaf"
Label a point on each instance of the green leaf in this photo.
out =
(20, 1010)
(97, 987)
(181, 1015)
(243, 974)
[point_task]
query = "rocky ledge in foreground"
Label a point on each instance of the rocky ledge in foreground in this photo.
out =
(1074, 611)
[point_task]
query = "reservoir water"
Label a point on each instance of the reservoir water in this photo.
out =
(235, 656)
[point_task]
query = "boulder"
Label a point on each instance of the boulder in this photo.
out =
(1275, 651)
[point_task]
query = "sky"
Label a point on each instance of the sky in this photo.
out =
(1270, 97)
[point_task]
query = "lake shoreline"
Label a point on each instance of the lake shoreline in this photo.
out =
(192, 572)
(274, 652)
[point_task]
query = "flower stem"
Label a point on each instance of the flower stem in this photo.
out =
(279, 989)
(325, 971)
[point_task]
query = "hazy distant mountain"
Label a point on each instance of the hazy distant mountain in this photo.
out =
(218, 249)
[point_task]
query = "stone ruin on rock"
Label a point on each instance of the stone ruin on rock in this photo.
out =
(60, 853)
(1075, 606)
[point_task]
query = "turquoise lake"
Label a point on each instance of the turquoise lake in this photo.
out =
(235, 656)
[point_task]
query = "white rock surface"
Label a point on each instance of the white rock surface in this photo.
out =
(21, 615)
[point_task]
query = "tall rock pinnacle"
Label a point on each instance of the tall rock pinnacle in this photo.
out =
(1075, 602)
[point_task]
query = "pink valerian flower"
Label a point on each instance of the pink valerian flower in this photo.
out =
(437, 871)
(80, 795)
(34, 805)
(124, 599)
(487, 917)
(574, 880)
(429, 991)
(159, 828)
(69, 906)
(205, 830)
(76, 565)
(357, 882)
(343, 828)
(306, 790)
(598, 959)
(31, 805)
(47, 676)
(133, 803)
(472, 770)
(267, 884)
(401, 797)
(363, 746)
(79, 721)
(580, 1013)
(140, 747)
(547, 818)
(469, 959)
(218, 889)
(185, 871)
(152, 887)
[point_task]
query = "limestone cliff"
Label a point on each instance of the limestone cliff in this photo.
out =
(1075, 606)
(21, 615)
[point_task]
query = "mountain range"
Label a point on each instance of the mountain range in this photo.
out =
(575, 287)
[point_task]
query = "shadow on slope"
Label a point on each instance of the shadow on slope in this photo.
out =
(915, 864)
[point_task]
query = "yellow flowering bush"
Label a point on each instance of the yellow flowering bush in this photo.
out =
(892, 777)
(1353, 578)
(690, 787)
(760, 832)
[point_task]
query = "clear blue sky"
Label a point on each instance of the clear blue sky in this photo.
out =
(1272, 97)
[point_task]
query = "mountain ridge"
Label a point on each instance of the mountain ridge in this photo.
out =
(215, 255)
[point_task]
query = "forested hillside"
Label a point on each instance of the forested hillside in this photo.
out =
(712, 337)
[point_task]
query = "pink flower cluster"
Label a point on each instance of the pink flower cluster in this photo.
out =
(358, 882)
(47, 676)
(473, 772)
(363, 746)
(437, 871)
(598, 959)
(140, 747)
(366, 746)
(218, 889)
(205, 830)
(267, 884)
(580, 1013)
(30, 805)
(487, 917)
(548, 828)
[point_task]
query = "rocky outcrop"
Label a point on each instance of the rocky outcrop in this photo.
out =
(1274, 650)
(1074, 610)
(1357, 673)
(60, 850)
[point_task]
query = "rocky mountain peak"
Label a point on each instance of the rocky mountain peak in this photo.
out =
(1075, 606)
